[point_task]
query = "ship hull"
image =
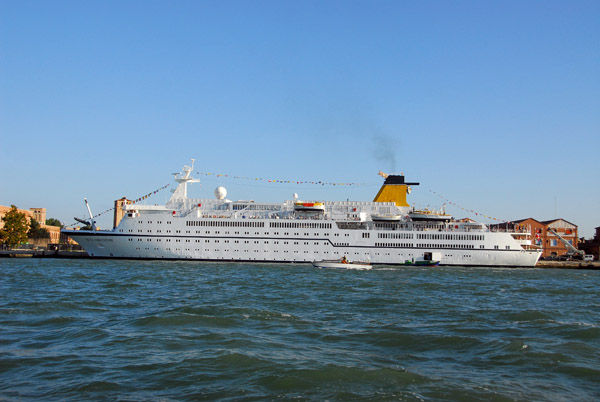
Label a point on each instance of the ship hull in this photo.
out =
(263, 246)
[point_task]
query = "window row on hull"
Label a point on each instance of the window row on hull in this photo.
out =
(321, 242)
(226, 224)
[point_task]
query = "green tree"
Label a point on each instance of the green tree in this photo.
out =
(36, 231)
(15, 227)
(54, 222)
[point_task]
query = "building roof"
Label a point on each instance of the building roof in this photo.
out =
(544, 223)
(556, 220)
(526, 219)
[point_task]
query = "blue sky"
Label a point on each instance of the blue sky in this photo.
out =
(493, 104)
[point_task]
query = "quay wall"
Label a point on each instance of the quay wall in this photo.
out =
(82, 254)
(569, 264)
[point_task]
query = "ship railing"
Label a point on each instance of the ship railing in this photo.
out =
(510, 229)
(288, 215)
(431, 227)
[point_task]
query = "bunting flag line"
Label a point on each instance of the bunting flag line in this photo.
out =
(95, 216)
(466, 209)
(133, 202)
(149, 194)
(142, 198)
(322, 183)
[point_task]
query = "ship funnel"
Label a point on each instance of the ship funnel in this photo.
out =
(394, 189)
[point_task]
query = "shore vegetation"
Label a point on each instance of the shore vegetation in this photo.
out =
(15, 229)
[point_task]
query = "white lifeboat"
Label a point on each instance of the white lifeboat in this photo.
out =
(427, 214)
(386, 217)
(304, 206)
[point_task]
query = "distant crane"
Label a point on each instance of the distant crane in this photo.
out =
(91, 222)
(572, 249)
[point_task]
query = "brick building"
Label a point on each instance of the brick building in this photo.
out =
(542, 236)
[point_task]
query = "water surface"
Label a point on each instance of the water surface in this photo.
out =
(103, 330)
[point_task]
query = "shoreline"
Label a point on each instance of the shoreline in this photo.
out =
(568, 264)
(24, 253)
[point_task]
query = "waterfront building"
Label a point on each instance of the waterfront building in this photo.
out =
(39, 215)
(592, 246)
(4, 210)
(542, 234)
(553, 246)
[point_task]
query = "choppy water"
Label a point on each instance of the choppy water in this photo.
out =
(74, 330)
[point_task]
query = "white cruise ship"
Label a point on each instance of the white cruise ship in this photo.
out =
(380, 232)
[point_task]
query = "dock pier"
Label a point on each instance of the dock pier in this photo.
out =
(36, 253)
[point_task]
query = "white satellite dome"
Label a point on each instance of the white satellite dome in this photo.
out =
(220, 192)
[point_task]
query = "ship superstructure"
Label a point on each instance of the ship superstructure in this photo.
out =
(381, 231)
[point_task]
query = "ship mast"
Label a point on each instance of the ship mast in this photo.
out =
(183, 178)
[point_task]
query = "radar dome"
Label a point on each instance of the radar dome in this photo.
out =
(220, 192)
